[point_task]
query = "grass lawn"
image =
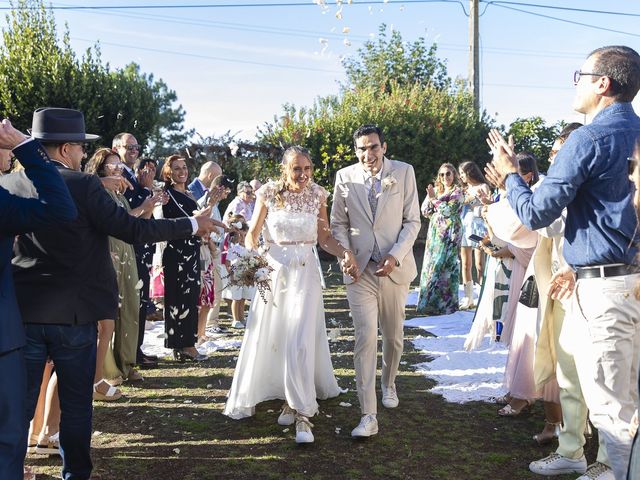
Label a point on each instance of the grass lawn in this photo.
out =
(171, 427)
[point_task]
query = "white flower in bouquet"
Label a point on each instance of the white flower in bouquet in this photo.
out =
(262, 274)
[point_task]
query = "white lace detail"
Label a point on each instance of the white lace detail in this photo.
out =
(309, 200)
(296, 220)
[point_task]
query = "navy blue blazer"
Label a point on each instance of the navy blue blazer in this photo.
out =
(19, 215)
(68, 269)
(197, 189)
(138, 195)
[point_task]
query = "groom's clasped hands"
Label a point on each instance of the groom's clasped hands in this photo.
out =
(349, 265)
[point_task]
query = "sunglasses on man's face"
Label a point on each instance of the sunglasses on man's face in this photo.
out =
(445, 174)
(130, 148)
(84, 146)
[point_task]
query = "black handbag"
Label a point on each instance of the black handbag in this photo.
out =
(529, 296)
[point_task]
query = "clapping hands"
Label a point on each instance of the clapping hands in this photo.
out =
(504, 158)
(10, 138)
(116, 183)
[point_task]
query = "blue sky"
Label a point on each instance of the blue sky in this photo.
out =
(233, 67)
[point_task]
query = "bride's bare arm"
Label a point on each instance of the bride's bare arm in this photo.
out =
(257, 221)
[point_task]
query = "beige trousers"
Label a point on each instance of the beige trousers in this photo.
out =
(214, 312)
(607, 363)
(574, 409)
(376, 301)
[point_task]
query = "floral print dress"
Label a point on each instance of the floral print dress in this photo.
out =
(440, 277)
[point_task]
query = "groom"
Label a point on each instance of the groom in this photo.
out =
(375, 213)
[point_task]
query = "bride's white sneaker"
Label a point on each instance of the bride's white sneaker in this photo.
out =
(368, 426)
(390, 396)
(287, 416)
(303, 430)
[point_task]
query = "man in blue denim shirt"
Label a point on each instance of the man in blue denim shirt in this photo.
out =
(590, 178)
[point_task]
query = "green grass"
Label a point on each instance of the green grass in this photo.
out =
(179, 407)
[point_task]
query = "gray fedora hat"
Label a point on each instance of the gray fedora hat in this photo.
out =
(60, 125)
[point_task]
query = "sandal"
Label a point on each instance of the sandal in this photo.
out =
(545, 437)
(112, 393)
(503, 400)
(509, 411)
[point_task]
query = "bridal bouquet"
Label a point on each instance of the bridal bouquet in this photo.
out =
(250, 269)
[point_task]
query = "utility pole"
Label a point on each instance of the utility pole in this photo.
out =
(474, 55)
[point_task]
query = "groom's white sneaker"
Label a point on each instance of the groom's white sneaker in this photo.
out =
(287, 416)
(303, 429)
(390, 396)
(368, 426)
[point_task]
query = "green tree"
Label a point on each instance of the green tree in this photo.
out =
(534, 135)
(424, 126)
(387, 60)
(428, 119)
(37, 70)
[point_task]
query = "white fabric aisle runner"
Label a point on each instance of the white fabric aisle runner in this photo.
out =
(154, 336)
(462, 376)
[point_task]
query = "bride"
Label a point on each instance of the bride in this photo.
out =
(285, 351)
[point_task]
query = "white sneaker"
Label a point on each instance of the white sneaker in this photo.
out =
(368, 426)
(303, 430)
(287, 416)
(237, 324)
(597, 471)
(390, 396)
(556, 464)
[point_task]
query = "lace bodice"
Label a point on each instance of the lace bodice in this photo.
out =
(294, 217)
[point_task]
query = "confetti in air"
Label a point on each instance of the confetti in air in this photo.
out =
(325, 44)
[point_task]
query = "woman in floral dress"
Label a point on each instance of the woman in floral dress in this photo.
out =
(440, 277)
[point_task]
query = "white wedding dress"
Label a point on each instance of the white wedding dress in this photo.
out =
(285, 351)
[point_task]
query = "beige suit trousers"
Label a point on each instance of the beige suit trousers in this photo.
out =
(376, 301)
(607, 362)
(574, 408)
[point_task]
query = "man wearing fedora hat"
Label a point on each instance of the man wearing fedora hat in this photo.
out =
(65, 281)
(21, 213)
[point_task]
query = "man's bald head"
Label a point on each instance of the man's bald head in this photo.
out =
(208, 172)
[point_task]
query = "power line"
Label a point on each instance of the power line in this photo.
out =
(568, 21)
(234, 5)
(555, 7)
(208, 57)
(289, 32)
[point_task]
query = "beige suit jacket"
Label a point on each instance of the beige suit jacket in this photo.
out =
(397, 220)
